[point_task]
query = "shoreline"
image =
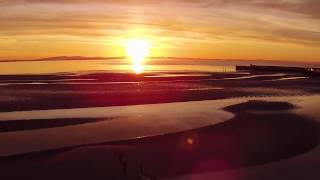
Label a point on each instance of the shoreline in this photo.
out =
(235, 152)
(142, 89)
(257, 119)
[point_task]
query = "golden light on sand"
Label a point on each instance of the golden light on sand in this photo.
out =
(137, 51)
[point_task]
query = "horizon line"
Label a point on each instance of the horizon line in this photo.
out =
(88, 58)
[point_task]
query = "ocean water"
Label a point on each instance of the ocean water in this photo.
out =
(111, 65)
(125, 65)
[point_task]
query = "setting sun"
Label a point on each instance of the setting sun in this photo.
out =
(137, 51)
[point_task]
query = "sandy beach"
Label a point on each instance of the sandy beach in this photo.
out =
(236, 131)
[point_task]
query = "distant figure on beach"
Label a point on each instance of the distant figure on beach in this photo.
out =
(120, 158)
(125, 168)
(141, 169)
(124, 164)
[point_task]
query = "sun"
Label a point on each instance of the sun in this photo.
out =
(137, 51)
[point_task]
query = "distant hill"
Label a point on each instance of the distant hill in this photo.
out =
(179, 60)
(69, 58)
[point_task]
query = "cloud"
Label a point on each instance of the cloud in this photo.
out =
(308, 7)
(282, 21)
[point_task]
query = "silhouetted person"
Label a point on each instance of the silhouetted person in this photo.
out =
(120, 158)
(125, 167)
(141, 169)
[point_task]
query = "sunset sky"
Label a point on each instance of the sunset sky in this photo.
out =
(231, 29)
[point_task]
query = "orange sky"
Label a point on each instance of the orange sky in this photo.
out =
(236, 29)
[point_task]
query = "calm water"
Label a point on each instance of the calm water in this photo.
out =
(124, 65)
(130, 122)
(117, 65)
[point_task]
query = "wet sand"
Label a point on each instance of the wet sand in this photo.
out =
(263, 131)
(252, 137)
(131, 122)
(22, 125)
(30, 92)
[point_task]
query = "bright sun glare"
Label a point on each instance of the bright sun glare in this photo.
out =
(137, 50)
